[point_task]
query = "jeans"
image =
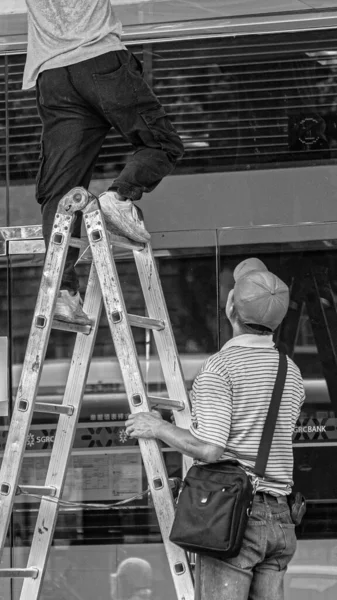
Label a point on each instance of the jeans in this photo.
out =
(78, 105)
(257, 573)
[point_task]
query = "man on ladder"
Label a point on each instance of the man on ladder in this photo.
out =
(86, 83)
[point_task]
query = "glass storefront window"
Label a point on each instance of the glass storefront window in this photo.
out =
(245, 103)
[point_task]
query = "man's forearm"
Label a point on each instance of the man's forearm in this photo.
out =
(148, 426)
(181, 440)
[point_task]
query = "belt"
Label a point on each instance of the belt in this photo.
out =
(270, 498)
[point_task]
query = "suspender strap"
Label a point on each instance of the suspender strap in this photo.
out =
(269, 426)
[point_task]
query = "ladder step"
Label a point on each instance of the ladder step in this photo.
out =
(32, 572)
(38, 490)
(146, 322)
(64, 326)
(158, 401)
(78, 243)
(58, 409)
(123, 242)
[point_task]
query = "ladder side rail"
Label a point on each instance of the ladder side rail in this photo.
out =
(31, 371)
(64, 439)
(136, 392)
(164, 339)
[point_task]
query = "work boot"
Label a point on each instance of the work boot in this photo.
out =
(69, 308)
(123, 217)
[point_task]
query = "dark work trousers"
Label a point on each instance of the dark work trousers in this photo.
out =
(78, 105)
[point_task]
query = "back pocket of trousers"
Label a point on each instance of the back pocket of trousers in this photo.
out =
(115, 90)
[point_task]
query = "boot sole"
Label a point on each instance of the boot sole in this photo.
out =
(79, 321)
(134, 236)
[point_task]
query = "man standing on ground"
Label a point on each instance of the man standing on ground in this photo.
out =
(230, 401)
(86, 83)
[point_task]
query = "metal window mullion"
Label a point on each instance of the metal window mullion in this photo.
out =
(6, 141)
(9, 297)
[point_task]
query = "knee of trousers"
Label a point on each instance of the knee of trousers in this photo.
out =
(221, 581)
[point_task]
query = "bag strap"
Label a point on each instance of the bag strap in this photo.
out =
(270, 423)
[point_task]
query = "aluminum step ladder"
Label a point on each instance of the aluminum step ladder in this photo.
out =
(103, 287)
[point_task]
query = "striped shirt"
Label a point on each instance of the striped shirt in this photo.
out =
(230, 400)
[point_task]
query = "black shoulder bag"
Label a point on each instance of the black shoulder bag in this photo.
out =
(216, 498)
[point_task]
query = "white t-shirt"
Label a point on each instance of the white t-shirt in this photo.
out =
(66, 32)
(230, 401)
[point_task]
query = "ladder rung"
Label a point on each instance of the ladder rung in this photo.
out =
(59, 409)
(124, 242)
(64, 326)
(38, 490)
(32, 572)
(166, 403)
(146, 322)
(78, 243)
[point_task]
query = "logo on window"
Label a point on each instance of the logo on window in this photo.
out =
(123, 436)
(30, 440)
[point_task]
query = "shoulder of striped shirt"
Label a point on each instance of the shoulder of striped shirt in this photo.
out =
(223, 356)
(225, 353)
(220, 364)
(214, 364)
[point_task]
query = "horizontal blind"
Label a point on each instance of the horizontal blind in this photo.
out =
(238, 103)
(3, 135)
(248, 102)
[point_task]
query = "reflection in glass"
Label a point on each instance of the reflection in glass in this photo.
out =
(132, 580)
